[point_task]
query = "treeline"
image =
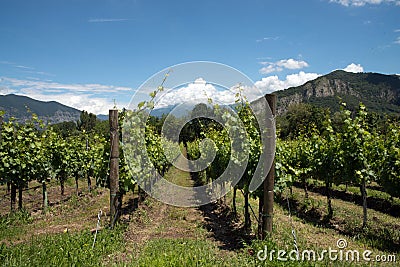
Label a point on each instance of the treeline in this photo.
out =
(87, 122)
(302, 118)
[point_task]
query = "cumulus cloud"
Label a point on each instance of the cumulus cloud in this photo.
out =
(270, 68)
(359, 3)
(356, 68)
(197, 92)
(290, 64)
(273, 83)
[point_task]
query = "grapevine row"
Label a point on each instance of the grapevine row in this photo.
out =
(354, 153)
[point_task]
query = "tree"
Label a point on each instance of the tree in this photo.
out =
(65, 129)
(87, 121)
(301, 118)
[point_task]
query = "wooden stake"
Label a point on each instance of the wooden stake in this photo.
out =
(268, 185)
(114, 166)
(45, 199)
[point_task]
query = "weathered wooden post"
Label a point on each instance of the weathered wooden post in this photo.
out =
(268, 185)
(114, 166)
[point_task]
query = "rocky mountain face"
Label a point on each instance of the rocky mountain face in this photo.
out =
(21, 107)
(380, 93)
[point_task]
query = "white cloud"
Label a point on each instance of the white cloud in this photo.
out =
(267, 39)
(397, 40)
(200, 91)
(25, 69)
(43, 85)
(354, 68)
(359, 3)
(38, 72)
(290, 63)
(197, 92)
(273, 83)
(95, 105)
(95, 98)
(269, 69)
(6, 62)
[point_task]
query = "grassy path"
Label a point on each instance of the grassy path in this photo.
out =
(185, 236)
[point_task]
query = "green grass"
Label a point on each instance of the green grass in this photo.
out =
(14, 224)
(187, 252)
(170, 252)
(183, 252)
(63, 249)
(381, 234)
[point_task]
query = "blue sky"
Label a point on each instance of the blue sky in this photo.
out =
(86, 53)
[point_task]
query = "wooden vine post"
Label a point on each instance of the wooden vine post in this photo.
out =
(114, 166)
(268, 185)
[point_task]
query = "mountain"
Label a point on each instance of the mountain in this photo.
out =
(380, 93)
(52, 112)
(102, 117)
(178, 110)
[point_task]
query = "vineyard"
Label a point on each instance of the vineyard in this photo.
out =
(338, 178)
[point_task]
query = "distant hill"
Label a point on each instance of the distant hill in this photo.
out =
(102, 117)
(379, 92)
(51, 112)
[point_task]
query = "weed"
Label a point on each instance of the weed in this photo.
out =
(18, 217)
